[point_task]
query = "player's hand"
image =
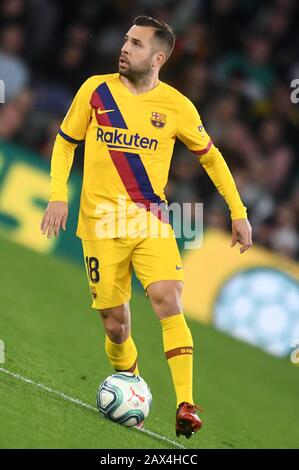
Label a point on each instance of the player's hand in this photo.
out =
(55, 216)
(241, 233)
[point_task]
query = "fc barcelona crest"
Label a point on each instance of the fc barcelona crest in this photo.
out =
(158, 119)
(93, 292)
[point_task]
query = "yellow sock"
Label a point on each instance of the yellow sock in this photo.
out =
(178, 347)
(122, 356)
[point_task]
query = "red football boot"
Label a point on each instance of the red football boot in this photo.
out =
(187, 420)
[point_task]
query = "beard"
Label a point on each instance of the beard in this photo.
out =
(136, 73)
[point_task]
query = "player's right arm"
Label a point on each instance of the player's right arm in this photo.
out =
(71, 132)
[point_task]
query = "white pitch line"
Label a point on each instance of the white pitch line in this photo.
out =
(81, 403)
(162, 438)
(48, 389)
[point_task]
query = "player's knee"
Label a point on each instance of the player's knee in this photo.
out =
(172, 302)
(117, 330)
(167, 302)
(117, 333)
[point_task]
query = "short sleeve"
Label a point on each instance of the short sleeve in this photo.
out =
(77, 119)
(190, 129)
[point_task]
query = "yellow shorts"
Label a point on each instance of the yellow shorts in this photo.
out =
(109, 263)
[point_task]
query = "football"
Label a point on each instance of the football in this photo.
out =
(124, 398)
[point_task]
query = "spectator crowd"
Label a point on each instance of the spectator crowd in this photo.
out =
(234, 59)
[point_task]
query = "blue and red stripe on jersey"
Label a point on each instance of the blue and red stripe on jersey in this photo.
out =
(128, 165)
(102, 99)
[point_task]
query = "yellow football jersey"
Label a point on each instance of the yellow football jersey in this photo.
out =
(129, 142)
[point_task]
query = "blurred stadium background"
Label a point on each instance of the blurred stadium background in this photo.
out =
(236, 61)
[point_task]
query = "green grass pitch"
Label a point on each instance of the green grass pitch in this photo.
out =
(53, 337)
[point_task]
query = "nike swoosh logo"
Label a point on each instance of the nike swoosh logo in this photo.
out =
(103, 111)
(178, 267)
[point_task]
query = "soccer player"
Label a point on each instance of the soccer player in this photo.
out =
(129, 121)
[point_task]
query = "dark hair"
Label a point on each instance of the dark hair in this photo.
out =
(163, 32)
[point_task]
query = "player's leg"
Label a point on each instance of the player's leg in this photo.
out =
(119, 345)
(165, 296)
(109, 271)
(158, 265)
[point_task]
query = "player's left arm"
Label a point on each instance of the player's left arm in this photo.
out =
(192, 133)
